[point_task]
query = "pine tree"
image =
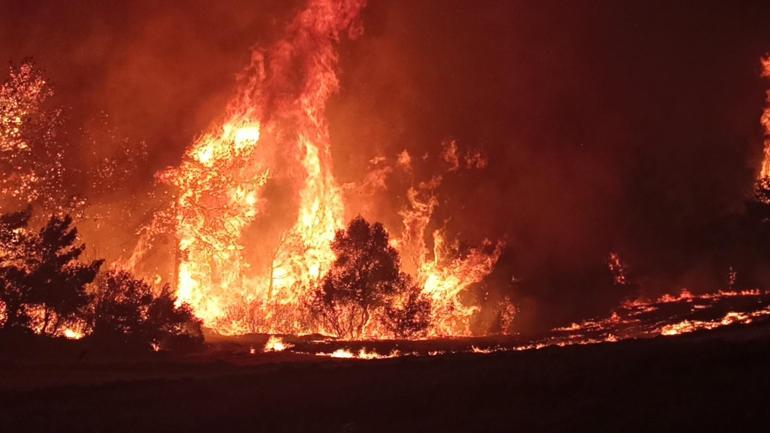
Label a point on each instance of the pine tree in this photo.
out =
(56, 279)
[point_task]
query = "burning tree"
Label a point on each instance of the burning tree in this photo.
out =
(32, 150)
(366, 282)
(127, 310)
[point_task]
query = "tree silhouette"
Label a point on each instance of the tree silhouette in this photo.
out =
(126, 310)
(14, 245)
(56, 280)
(364, 280)
(41, 278)
(40, 271)
(118, 304)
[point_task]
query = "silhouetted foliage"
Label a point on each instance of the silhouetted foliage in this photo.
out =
(410, 315)
(56, 279)
(41, 270)
(127, 310)
(365, 281)
(43, 286)
(14, 294)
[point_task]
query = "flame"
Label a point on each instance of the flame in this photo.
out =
(274, 133)
(361, 354)
(217, 201)
(340, 353)
(70, 329)
(442, 272)
(729, 318)
(446, 276)
(72, 334)
(276, 344)
(275, 136)
(764, 172)
(666, 315)
(307, 247)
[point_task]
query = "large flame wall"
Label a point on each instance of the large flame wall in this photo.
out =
(275, 134)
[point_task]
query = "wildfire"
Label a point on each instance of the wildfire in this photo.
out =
(731, 317)
(667, 315)
(446, 276)
(275, 136)
(275, 131)
(43, 324)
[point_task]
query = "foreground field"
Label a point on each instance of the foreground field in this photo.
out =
(715, 381)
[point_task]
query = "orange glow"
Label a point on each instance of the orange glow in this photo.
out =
(72, 334)
(220, 185)
(73, 330)
(276, 344)
(644, 318)
(275, 134)
(765, 120)
(361, 354)
(442, 272)
(617, 269)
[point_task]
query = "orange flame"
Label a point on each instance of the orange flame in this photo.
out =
(274, 127)
(275, 137)
(765, 120)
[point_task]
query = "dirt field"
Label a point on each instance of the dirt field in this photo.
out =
(717, 381)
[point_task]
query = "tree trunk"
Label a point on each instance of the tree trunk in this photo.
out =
(46, 319)
(364, 320)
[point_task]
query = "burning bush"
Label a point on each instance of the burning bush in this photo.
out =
(408, 316)
(127, 310)
(365, 285)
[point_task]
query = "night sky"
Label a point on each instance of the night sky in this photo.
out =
(609, 126)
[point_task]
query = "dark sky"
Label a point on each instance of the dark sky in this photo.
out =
(609, 126)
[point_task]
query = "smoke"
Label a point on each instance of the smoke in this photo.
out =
(607, 127)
